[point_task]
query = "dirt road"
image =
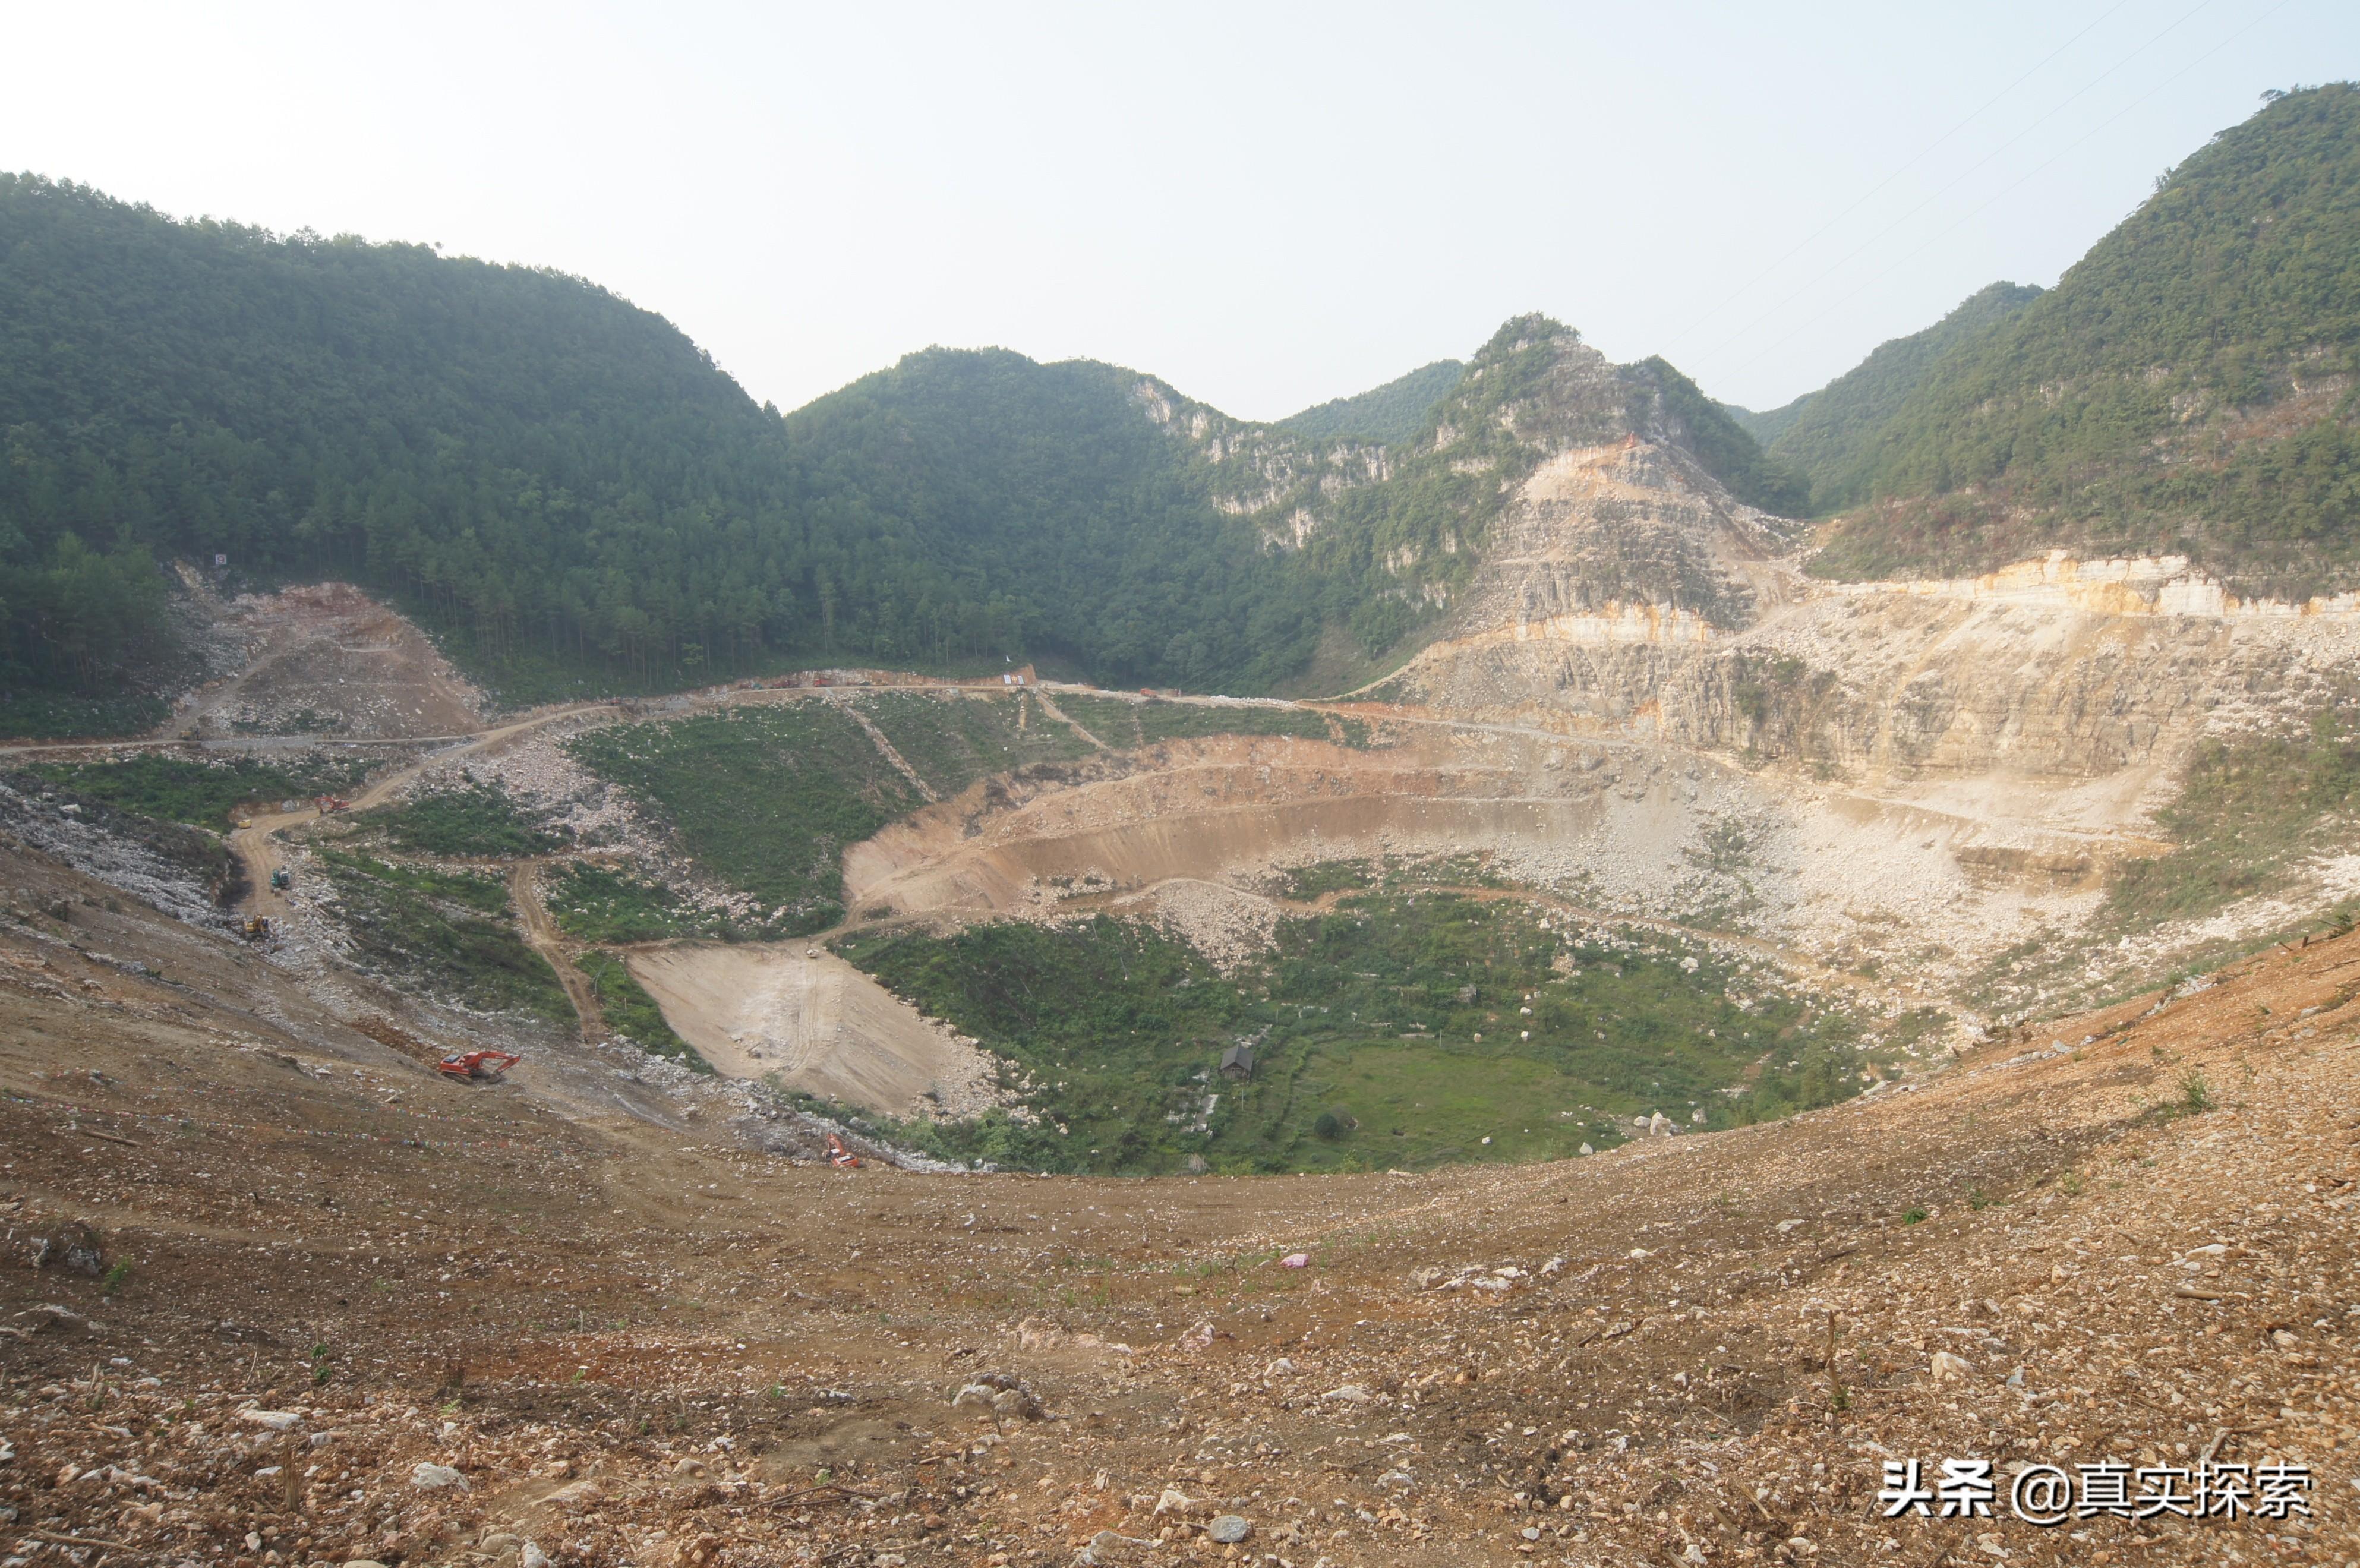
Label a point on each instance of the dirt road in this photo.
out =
(256, 844)
(542, 934)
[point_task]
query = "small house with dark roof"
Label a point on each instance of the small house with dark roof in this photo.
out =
(1238, 1061)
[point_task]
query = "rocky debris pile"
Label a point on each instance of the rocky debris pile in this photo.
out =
(1231, 926)
(163, 865)
(325, 658)
(539, 775)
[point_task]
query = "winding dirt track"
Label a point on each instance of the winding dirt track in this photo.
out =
(541, 933)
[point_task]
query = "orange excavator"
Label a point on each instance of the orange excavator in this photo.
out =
(478, 1067)
(839, 1157)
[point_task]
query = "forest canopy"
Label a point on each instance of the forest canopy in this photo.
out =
(557, 481)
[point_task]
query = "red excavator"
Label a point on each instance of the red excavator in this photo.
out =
(478, 1067)
(329, 804)
(839, 1157)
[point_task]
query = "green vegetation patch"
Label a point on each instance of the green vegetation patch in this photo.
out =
(485, 894)
(597, 904)
(430, 927)
(954, 738)
(633, 1013)
(199, 790)
(765, 799)
(1393, 1031)
(1125, 725)
(1393, 412)
(2247, 811)
(474, 819)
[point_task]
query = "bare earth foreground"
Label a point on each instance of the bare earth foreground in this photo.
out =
(274, 1293)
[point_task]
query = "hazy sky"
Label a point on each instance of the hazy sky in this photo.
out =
(1267, 205)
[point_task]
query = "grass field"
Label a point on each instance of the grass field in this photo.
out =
(198, 791)
(473, 820)
(451, 934)
(1402, 1029)
(765, 799)
(1125, 725)
(954, 738)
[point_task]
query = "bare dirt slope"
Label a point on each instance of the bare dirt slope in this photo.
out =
(327, 659)
(804, 1018)
(319, 1268)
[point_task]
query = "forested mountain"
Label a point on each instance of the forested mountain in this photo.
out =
(566, 489)
(2191, 385)
(538, 463)
(1822, 434)
(1394, 411)
(1059, 510)
(556, 479)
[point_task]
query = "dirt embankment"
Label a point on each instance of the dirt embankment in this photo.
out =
(805, 1019)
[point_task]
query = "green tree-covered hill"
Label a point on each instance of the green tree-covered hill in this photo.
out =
(1822, 433)
(2190, 386)
(1394, 411)
(540, 466)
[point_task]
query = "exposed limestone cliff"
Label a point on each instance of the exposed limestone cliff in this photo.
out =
(2024, 725)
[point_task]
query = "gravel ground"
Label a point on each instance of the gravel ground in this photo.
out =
(642, 1340)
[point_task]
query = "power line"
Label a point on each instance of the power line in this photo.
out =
(2034, 173)
(1869, 243)
(1916, 158)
